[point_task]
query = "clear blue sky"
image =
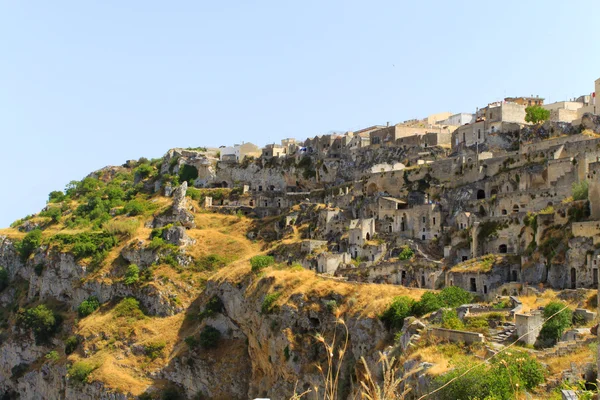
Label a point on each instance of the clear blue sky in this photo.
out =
(84, 84)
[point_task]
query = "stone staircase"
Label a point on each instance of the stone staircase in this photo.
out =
(505, 333)
(564, 348)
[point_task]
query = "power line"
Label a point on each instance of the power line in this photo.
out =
(499, 352)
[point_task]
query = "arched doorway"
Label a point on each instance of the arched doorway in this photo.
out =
(573, 278)
(368, 236)
(480, 194)
(514, 276)
(502, 249)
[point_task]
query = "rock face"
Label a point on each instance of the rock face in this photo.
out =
(272, 358)
(176, 235)
(179, 213)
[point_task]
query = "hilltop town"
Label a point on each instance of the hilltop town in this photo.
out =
(235, 272)
(453, 187)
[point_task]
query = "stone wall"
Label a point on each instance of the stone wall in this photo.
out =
(529, 323)
(458, 336)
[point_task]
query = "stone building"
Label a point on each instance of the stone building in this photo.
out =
(274, 150)
(564, 111)
(525, 101)
(239, 152)
(458, 119)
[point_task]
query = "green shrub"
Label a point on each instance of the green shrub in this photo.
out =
(71, 344)
(41, 320)
(211, 262)
(172, 393)
(494, 380)
(450, 320)
(80, 371)
(132, 275)
(478, 324)
(52, 356)
(191, 341)
(143, 171)
(553, 329)
(450, 297)
(580, 190)
(154, 350)
(87, 244)
(30, 242)
(3, 278)
(429, 302)
(406, 254)
(259, 263)
(135, 207)
(209, 337)
(394, 314)
(56, 196)
(129, 307)
(453, 296)
(53, 213)
(331, 306)
(268, 302)
(193, 193)
(88, 306)
(213, 306)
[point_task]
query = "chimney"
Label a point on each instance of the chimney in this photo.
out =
(388, 123)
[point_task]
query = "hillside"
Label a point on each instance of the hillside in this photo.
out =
(190, 277)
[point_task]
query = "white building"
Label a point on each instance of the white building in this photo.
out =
(238, 152)
(458, 119)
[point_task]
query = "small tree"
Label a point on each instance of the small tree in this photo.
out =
(132, 275)
(580, 190)
(406, 254)
(553, 328)
(80, 371)
(260, 262)
(536, 114)
(56, 196)
(88, 306)
(30, 242)
(393, 316)
(41, 320)
(209, 337)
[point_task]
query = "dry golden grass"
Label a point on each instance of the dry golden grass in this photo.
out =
(12, 233)
(107, 339)
(557, 365)
(367, 300)
(431, 354)
(444, 356)
(480, 264)
(533, 302)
